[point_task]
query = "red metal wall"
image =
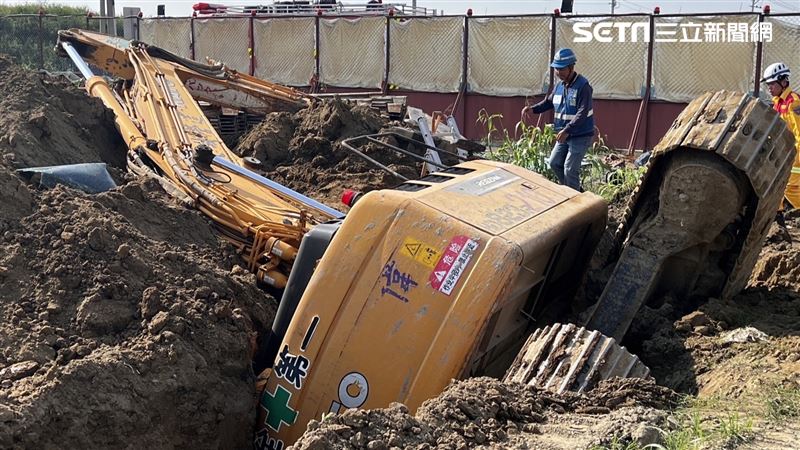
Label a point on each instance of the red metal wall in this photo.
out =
(614, 118)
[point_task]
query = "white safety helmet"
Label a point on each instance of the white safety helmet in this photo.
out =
(776, 72)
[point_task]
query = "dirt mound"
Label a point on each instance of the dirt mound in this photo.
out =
(40, 126)
(487, 413)
(304, 152)
(124, 320)
(46, 121)
(779, 262)
(132, 322)
(619, 392)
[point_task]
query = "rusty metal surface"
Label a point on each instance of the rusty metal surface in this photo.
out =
(565, 357)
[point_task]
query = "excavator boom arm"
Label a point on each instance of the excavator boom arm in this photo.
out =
(156, 109)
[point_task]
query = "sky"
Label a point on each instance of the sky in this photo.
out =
(184, 7)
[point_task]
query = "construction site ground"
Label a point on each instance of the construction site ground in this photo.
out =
(125, 322)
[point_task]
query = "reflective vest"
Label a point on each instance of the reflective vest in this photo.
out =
(565, 104)
(788, 106)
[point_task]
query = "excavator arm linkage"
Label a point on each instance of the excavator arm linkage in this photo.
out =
(168, 136)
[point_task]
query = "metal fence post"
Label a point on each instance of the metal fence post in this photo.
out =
(191, 40)
(316, 45)
(251, 50)
(759, 55)
(386, 49)
(553, 25)
(644, 107)
(41, 38)
(462, 89)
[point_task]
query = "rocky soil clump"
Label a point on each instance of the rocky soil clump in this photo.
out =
(304, 151)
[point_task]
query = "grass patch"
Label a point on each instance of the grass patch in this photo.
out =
(618, 444)
(531, 150)
(698, 424)
(782, 404)
(733, 429)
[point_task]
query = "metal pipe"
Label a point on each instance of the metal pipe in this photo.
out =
(294, 195)
(77, 60)
(407, 153)
(415, 142)
(345, 94)
(383, 167)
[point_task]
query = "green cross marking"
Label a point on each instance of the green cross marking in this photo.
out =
(277, 406)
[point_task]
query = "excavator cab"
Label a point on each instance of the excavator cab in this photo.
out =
(439, 278)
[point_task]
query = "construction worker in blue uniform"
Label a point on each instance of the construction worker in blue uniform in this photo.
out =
(574, 119)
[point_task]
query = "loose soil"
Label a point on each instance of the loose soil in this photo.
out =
(127, 323)
(304, 151)
(488, 413)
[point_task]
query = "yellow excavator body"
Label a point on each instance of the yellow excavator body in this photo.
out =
(419, 287)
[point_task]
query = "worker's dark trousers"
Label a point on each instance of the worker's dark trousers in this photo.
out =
(565, 160)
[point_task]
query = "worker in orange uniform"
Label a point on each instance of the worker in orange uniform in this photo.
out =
(787, 104)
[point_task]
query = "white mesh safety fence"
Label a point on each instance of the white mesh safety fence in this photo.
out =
(284, 50)
(784, 47)
(223, 40)
(614, 59)
(710, 53)
(351, 52)
(174, 35)
(426, 54)
(508, 56)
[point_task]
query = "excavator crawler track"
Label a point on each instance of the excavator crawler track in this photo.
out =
(565, 357)
(699, 216)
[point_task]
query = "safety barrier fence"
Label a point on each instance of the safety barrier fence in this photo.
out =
(639, 57)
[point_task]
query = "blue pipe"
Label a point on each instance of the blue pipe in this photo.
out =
(78, 60)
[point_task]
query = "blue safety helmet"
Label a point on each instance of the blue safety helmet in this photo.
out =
(563, 58)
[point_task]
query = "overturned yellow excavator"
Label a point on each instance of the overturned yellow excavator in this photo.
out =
(444, 276)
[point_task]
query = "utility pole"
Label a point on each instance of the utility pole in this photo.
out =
(112, 20)
(613, 5)
(103, 25)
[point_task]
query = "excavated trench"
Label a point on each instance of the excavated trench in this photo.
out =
(126, 322)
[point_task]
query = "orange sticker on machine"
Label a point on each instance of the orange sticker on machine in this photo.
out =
(420, 252)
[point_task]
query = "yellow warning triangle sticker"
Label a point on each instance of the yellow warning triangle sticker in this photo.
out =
(413, 248)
